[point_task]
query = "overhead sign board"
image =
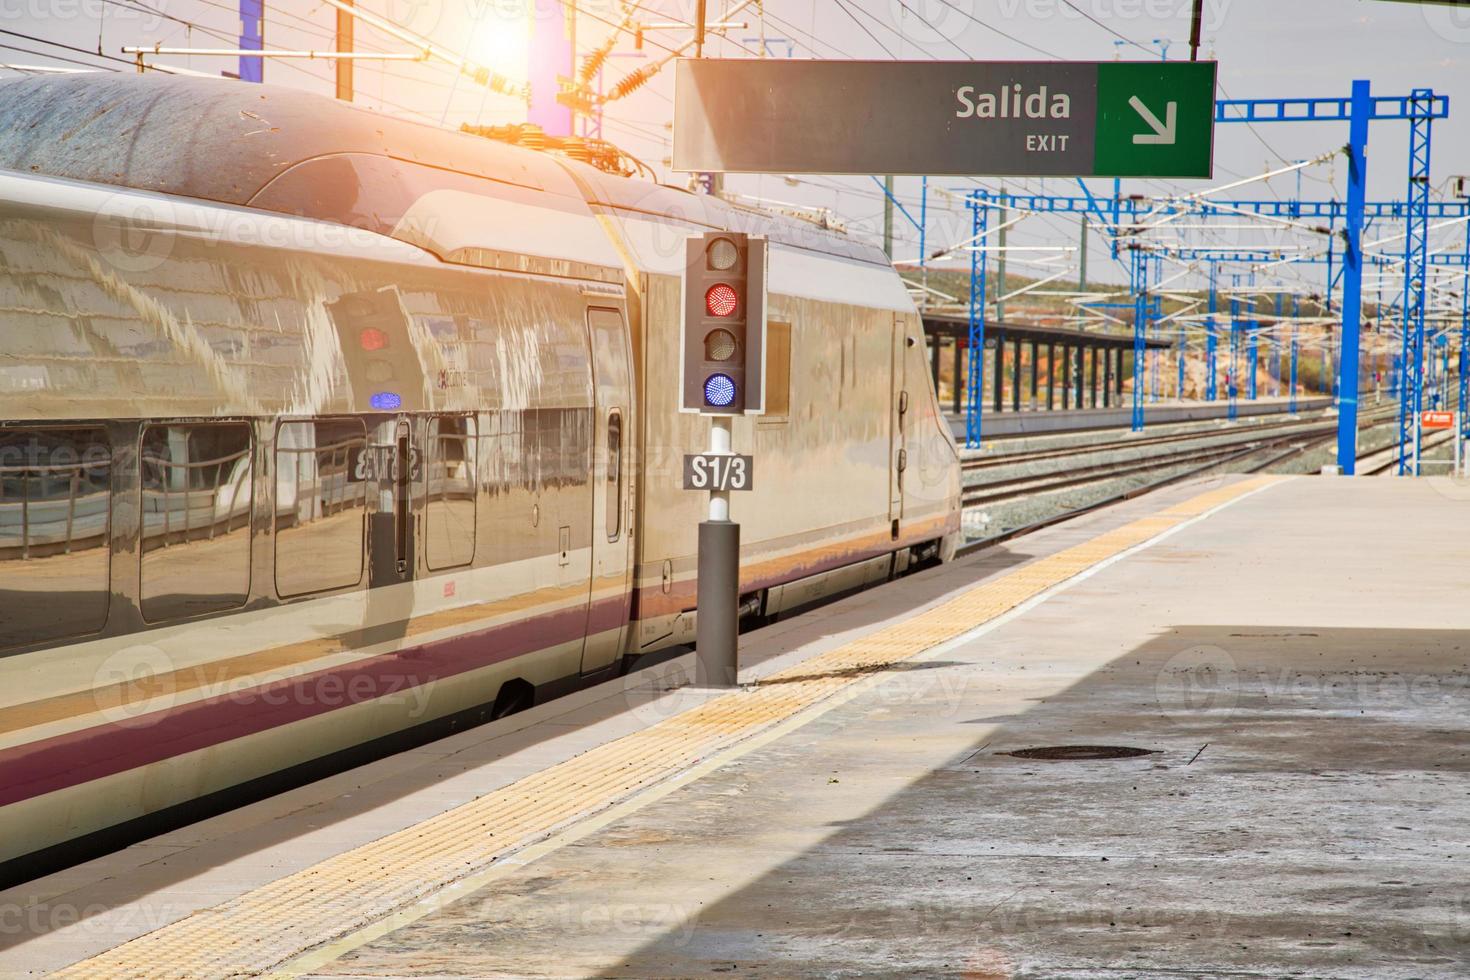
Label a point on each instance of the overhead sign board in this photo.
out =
(1026, 118)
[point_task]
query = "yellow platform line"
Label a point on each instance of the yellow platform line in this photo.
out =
(264, 928)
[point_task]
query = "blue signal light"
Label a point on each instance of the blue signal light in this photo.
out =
(385, 401)
(719, 391)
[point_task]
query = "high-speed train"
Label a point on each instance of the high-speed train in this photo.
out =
(320, 427)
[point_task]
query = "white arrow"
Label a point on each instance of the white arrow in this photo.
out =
(1163, 132)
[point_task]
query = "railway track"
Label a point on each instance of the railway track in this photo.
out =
(1376, 462)
(1027, 456)
(978, 544)
(1296, 436)
(1272, 451)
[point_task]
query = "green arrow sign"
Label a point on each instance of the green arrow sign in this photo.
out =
(1154, 119)
(1028, 118)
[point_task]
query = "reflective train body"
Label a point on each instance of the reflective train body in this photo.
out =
(318, 428)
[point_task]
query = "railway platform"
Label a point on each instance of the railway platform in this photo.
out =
(1216, 730)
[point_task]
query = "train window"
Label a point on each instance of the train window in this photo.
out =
(55, 505)
(614, 475)
(449, 492)
(321, 505)
(197, 482)
(778, 371)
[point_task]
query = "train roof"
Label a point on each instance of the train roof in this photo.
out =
(218, 139)
(295, 152)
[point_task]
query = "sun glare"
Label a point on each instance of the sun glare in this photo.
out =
(502, 43)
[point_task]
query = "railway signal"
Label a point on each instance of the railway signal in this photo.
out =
(722, 360)
(378, 350)
(721, 374)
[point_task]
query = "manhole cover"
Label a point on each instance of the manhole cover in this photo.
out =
(1080, 753)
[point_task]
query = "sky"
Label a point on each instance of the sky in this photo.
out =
(1265, 49)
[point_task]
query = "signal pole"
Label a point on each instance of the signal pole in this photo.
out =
(717, 624)
(722, 375)
(1194, 25)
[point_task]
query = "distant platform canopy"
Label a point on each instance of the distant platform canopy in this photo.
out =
(958, 325)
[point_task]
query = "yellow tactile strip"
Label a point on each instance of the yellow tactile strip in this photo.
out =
(264, 928)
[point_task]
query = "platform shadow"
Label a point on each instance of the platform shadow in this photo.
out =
(1303, 816)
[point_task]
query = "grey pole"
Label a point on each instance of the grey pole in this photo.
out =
(717, 625)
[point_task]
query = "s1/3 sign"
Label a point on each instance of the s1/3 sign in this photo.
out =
(712, 471)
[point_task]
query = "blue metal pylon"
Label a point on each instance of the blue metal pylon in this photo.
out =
(1253, 326)
(1291, 406)
(1464, 400)
(1416, 275)
(1277, 346)
(1212, 341)
(252, 38)
(1179, 363)
(1295, 315)
(1155, 374)
(1140, 329)
(975, 375)
(1232, 377)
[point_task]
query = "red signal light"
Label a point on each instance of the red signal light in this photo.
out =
(721, 300)
(373, 339)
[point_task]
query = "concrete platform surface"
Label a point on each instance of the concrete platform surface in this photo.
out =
(53, 921)
(1296, 667)
(1297, 664)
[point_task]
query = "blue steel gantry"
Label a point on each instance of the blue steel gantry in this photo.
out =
(1123, 217)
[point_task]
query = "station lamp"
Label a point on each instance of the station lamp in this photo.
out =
(723, 338)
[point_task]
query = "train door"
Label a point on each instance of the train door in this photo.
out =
(612, 537)
(390, 464)
(899, 423)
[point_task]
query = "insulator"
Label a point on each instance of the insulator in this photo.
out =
(629, 84)
(596, 59)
